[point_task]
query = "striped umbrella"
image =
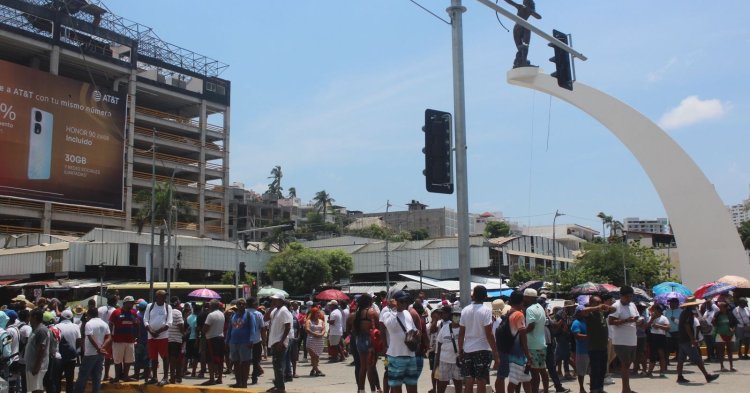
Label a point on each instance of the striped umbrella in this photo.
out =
(588, 288)
(702, 289)
(718, 289)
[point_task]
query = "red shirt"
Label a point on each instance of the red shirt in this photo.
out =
(125, 326)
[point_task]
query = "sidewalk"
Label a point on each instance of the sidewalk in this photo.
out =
(340, 379)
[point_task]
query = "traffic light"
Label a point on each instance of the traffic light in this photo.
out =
(563, 66)
(242, 272)
(438, 151)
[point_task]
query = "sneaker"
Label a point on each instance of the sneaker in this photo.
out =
(684, 380)
(562, 390)
(712, 378)
(609, 381)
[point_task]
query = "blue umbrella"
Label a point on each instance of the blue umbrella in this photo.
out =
(667, 287)
(664, 297)
(718, 288)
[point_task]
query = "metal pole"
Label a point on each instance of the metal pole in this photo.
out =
(554, 246)
(153, 203)
(236, 254)
(420, 274)
(169, 234)
(387, 256)
(459, 116)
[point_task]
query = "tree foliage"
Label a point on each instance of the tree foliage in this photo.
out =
(228, 278)
(419, 234)
(495, 229)
(323, 201)
(164, 195)
(521, 275)
(375, 231)
(302, 269)
(744, 231)
(601, 262)
(274, 188)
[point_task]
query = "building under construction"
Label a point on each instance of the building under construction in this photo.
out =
(177, 121)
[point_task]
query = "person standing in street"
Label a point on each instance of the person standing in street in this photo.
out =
(335, 331)
(742, 331)
(213, 329)
(175, 338)
(97, 336)
(105, 312)
(624, 335)
(402, 361)
(157, 319)
(278, 338)
(239, 337)
(578, 328)
(536, 317)
(70, 342)
(124, 324)
(659, 326)
(446, 353)
(689, 340)
(672, 313)
(316, 332)
(476, 342)
(256, 338)
(141, 364)
(37, 352)
(598, 337)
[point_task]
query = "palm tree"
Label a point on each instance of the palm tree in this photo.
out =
(292, 192)
(164, 193)
(322, 201)
(606, 220)
(274, 188)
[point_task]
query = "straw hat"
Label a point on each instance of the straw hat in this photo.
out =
(499, 308)
(692, 301)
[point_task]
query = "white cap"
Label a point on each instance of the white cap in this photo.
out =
(67, 314)
(531, 292)
(278, 296)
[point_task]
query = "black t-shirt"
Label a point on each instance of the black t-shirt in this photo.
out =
(596, 329)
(685, 325)
(201, 320)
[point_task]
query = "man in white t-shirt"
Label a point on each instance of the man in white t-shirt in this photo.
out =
(402, 361)
(742, 330)
(278, 337)
(157, 319)
(97, 336)
(624, 333)
(476, 341)
(105, 312)
(213, 329)
(335, 331)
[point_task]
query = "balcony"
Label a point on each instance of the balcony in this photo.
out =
(177, 119)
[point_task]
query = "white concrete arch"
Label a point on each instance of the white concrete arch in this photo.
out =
(707, 241)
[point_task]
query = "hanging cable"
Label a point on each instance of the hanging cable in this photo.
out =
(498, 18)
(430, 12)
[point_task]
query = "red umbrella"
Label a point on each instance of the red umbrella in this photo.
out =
(204, 293)
(332, 294)
(702, 289)
(611, 288)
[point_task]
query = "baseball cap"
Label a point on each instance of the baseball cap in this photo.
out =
(530, 292)
(67, 314)
(278, 296)
(401, 296)
(128, 299)
(142, 305)
(49, 317)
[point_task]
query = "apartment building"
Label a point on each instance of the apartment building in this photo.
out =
(177, 124)
(635, 224)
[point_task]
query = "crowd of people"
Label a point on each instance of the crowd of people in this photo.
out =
(529, 344)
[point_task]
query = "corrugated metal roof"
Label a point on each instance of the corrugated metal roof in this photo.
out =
(39, 248)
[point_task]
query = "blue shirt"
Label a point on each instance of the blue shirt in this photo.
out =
(144, 332)
(192, 323)
(258, 317)
(241, 328)
(582, 345)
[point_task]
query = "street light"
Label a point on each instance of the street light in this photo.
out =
(554, 245)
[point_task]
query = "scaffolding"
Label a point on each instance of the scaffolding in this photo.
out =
(88, 18)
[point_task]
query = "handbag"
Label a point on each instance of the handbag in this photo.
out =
(459, 361)
(411, 338)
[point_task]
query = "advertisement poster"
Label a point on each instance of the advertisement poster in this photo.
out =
(61, 140)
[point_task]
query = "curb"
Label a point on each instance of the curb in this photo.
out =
(135, 387)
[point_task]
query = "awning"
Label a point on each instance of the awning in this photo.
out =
(537, 256)
(36, 284)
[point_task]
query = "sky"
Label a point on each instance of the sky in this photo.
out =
(335, 91)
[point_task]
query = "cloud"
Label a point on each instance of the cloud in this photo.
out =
(658, 75)
(693, 110)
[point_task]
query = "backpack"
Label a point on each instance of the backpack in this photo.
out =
(21, 340)
(504, 338)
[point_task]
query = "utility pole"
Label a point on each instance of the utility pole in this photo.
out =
(153, 204)
(554, 246)
(459, 115)
(387, 255)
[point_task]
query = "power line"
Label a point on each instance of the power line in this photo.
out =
(430, 12)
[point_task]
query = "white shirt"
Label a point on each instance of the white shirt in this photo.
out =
(446, 339)
(474, 318)
(709, 315)
(215, 321)
(280, 317)
(624, 334)
(24, 332)
(97, 329)
(662, 320)
(156, 317)
(336, 326)
(742, 315)
(174, 332)
(70, 331)
(396, 335)
(105, 312)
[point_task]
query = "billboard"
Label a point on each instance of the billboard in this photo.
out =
(61, 140)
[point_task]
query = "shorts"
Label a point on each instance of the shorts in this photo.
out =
(215, 350)
(688, 351)
(241, 352)
(157, 347)
(583, 362)
(123, 353)
(640, 347)
(35, 382)
(191, 349)
(517, 375)
(108, 348)
(562, 351)
(625, 353)
(477, 365)
(175, 350)
(725, 339)
(538, 358)
(402, 370)
(362, 342)
(503, 369)
(448, 371)
(334, 340)
(657, 342)
(293, 349)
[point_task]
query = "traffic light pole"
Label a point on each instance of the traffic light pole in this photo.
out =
(459, 115)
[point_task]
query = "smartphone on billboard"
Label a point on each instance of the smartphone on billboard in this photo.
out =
(40, 145)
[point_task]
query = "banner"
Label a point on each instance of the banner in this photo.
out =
(61, 140)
